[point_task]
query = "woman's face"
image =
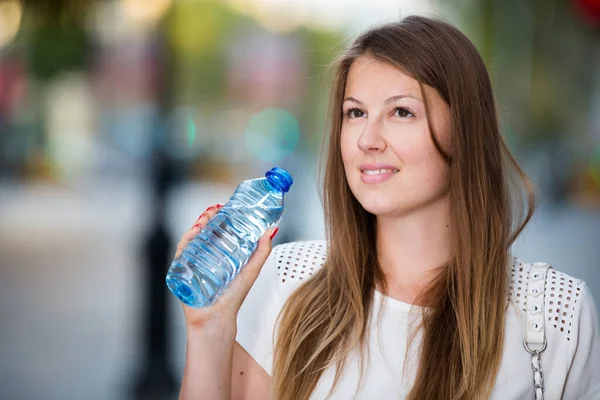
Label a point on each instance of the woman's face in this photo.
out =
(390, 160)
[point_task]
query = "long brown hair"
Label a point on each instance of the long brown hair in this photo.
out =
(462, 326)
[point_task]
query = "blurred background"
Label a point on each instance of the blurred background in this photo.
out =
(122, 120)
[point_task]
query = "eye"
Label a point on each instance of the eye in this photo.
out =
(354, 113)
(403, 112)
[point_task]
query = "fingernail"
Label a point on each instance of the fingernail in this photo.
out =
(209, 208)
(201, 215)
(220, 205)
(197, 226)
(274, 233)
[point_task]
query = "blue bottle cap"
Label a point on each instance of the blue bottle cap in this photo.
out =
(280, 178)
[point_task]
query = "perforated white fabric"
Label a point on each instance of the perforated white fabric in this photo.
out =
(299, 260)
(571, 362)
(561, 296)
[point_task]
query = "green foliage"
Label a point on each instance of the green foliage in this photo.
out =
(55, 48)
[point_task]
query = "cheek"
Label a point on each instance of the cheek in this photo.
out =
(434, 170)
(421, 160)
(412, 146)
(348, 148)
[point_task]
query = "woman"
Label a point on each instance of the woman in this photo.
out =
(415, 294)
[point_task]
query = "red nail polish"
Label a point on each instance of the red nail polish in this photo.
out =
(209, 208)
(274, 233)
(220, 205)
(196, 226)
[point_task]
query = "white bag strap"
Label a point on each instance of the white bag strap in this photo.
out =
(535, 341)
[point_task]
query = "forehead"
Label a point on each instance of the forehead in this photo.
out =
(368, 75)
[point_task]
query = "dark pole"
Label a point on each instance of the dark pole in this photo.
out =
(156, 380)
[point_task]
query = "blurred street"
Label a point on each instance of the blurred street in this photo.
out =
(67, 286)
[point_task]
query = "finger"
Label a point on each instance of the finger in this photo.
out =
(207, 215)
(241, 285)
(261, 254)
(197, 227)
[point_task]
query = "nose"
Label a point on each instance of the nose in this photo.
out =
(371, 138)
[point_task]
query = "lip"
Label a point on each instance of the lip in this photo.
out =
(375, 179)
(376, 166)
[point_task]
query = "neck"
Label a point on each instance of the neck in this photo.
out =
(411, 246)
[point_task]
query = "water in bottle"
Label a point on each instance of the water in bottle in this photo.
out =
(215, 256)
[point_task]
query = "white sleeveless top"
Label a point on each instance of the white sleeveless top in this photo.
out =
(570, 363)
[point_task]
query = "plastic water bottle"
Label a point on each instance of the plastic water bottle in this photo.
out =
(215, 256)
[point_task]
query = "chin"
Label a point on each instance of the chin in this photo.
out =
(377, 204)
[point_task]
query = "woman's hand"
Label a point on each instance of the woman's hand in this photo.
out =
(223, 313)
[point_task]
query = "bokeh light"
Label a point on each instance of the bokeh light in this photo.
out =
(191, 130)
(179, 136)
(195, 26)
(145, 12)
(10, 20)
(272, 134)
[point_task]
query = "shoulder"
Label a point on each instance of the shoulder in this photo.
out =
(288, 266)
(571, 359)
(563, 296)
(297, 261)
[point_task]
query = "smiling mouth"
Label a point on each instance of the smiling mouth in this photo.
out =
(378, 171)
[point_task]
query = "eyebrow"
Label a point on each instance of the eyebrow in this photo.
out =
(386, 102)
